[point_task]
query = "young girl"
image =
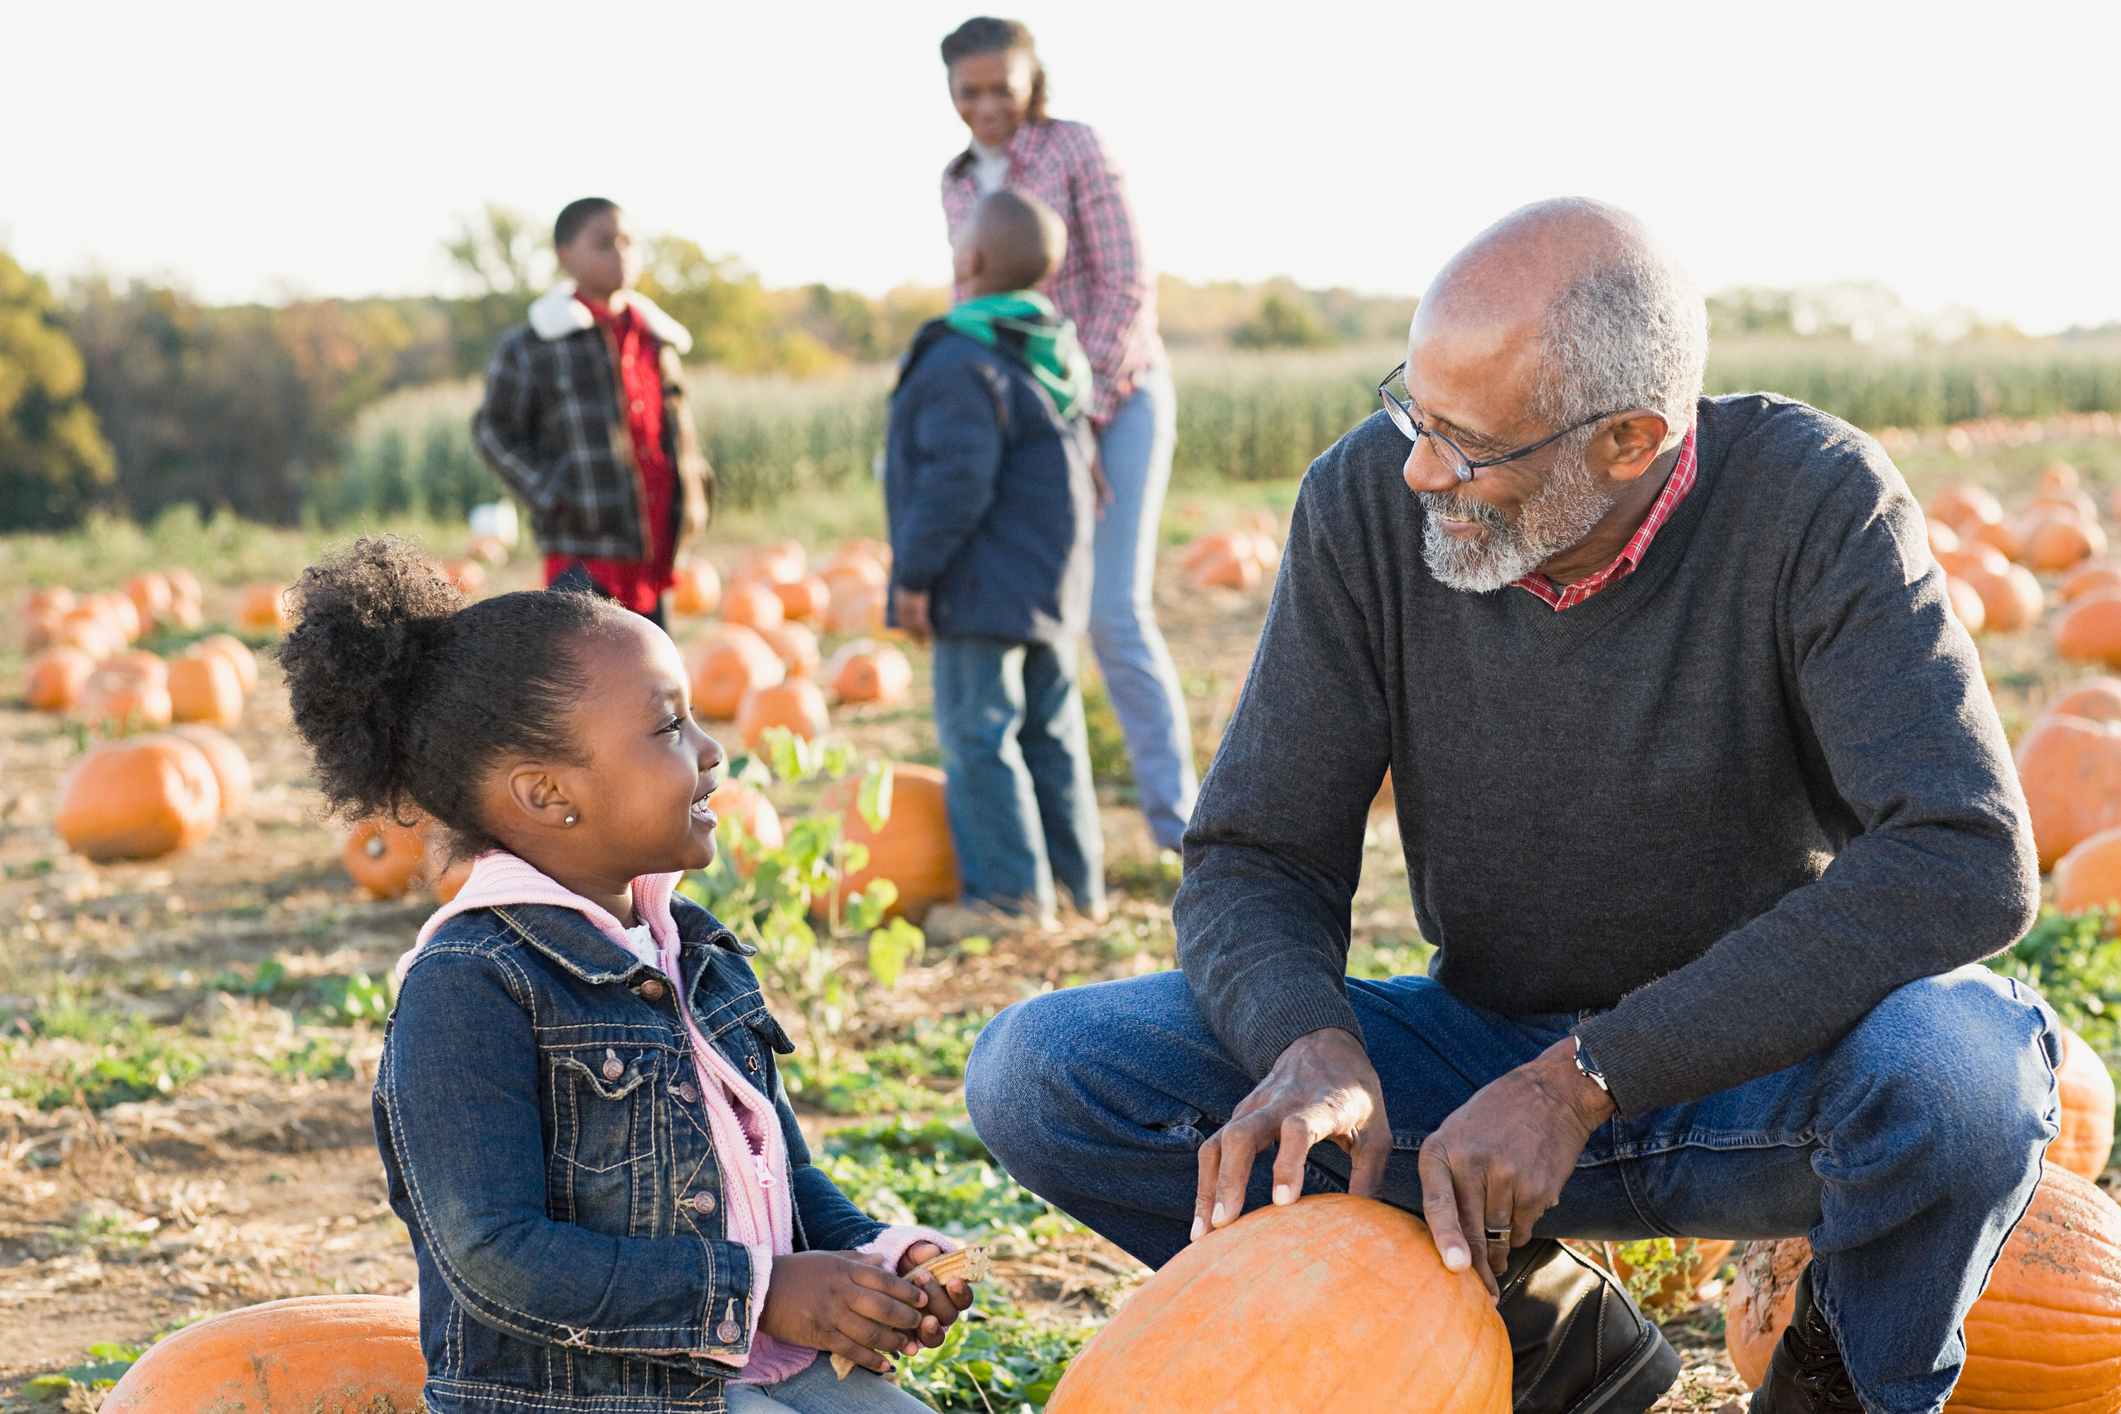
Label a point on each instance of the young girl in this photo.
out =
(611, 1205)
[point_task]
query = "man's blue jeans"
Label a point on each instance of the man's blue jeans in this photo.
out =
(1023, 813)
(1906, 1152)
(1135, 449)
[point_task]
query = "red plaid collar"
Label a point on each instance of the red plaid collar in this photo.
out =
(1568, 596)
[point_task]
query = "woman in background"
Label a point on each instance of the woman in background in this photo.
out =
(1106, 288)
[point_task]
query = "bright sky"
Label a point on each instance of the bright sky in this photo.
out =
(1960, 153)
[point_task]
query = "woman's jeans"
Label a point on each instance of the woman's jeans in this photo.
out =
(1135, 449)
(817, 1391)
(1906, 1151)
(1023, 813)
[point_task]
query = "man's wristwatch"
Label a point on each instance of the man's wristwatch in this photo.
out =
(1590, 1069)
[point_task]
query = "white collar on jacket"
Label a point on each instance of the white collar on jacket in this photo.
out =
(557, 313)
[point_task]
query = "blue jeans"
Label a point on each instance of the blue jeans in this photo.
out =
(818, 1391)
(1906, 1152)
(1136, 451)
(1023, 813)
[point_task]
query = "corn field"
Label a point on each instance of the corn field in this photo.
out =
(1241, 416)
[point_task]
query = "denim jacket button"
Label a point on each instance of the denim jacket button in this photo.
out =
(614, 1068)
(703, 1203)
(729, 1332)
(651, 990)
(684, 1091)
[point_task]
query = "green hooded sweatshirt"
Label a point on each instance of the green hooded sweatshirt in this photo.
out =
(1039, 335)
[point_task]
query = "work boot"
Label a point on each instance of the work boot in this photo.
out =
(1577, 1343)
(1805, 1375)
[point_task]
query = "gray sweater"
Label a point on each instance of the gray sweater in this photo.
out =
(1735, 799)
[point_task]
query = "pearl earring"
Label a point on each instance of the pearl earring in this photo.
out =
(570, 819)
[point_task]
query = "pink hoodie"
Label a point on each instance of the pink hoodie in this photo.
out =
(748, 1143)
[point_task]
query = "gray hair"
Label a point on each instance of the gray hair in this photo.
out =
(1632, 333)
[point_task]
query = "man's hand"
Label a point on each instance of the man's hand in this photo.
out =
(1323, 1087)
(945, 1300)
(913, 614)
(1499, 1161)
(844, 1303)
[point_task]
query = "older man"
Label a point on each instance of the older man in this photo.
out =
(1706, 810)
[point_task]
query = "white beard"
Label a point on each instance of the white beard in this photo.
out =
(1564, 511)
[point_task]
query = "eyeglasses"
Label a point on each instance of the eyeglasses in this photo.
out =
(1401, 411)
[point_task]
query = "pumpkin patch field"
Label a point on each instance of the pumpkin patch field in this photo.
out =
(195, 964)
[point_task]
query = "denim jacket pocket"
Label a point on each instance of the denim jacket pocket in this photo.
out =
(608, 1125)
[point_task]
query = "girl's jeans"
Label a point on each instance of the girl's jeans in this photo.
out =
(1906, 1151)
(817, 1391)
(1135, 449)
(1023, 813)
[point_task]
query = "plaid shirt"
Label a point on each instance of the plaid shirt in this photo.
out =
(551, 428)
(1568, 596)
(1103, 284)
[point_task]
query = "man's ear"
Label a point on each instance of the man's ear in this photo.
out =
(538, 798)
(1636, 440)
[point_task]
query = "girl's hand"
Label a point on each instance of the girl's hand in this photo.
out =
(945, 1300)
(844, 1303)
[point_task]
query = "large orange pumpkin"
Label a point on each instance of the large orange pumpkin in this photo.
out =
(2058, 475)
(383, 856)
(2011, 600)
(2070, 768)
(854, 567)
(238, 654)
(85, 627)
(2003, 536)
(1943, 539)
(2086, 1088)
(1966, 602)
(118, 701)
(2069, 500)
(468, 576)
(149, 591)
(314, 1354)
(141, 666)
(779, 563)
(121, 614)
(183, 584)
(2096, 697)
(731, 666)
(1956, 503)
(2088, 630)
(2045, 1338)
(734, 803)
(2085, 579)
(795, 703)
(867, 671)
(1963, 562)
(262, 608)
(697, 588)
(138, 800)
(2055, 542)
(794, 644)
(806, 598)
(2089, 876)
(913, 850)
(57, 677)
(857, 606)
(203, 687)
(1760, 1303)
(230, 766)
(1353, 1288)
(752, 603)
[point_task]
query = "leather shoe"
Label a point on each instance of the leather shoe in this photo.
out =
(1805, 1374)
(1578, 1344)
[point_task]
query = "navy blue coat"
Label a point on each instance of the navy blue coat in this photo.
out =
(989, 493)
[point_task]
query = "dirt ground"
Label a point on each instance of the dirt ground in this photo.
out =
(257, 1178)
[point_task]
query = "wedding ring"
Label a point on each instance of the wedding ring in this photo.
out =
(1498, 1234)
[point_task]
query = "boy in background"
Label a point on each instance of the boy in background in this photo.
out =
(988, 487)
(586, 419)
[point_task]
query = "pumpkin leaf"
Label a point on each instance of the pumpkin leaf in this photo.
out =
(891, 948)
(874, 798)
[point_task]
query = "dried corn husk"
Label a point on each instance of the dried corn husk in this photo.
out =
(965, 1264)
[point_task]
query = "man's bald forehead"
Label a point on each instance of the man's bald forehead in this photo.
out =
(1512, 272)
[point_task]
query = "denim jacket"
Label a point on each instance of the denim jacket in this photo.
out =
(539, 1118)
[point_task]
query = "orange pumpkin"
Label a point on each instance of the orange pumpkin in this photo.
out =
(183, 584)
(2098, 698)
(857, 606)
(1231, 559)
(203, 687)
(262, 607)
(57, 677)
(2088, 630)
(1967, 559)
(867, 671)
(696, 588)
(2045, 1338)
(2009, 601)
(2065, 499)
(121, 614)
(1956, 503)
(854, 566)
(84, 627)
(795, 703)
(1966, 603)
(149, 591)
(778, 563)
(238, 654)
(490, 548)
(753, 604)
(2060, 476)
(141, 666)
(737, 804)
(731, 666)
(1701, 1258)
(118, 701)
(2087, 1093)
(1761, 1302)
(2070, 768)
(805, 598)
(384, 856)
(913, 850)
(230, 766)
(2002, 536)
(1943, 539)
(138, 800)
(877, 550)
(315, 1353)
(184, 614)
(2056, 542)
(469, 576)
(56, 597)
(794, 644)
(450, 882)
(2089, 578)
(1385, 1326)
(39, 628)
